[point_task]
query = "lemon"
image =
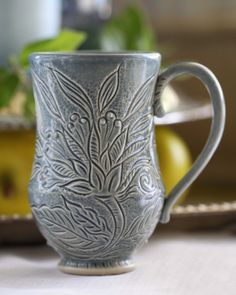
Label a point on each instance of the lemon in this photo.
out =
(174, 157)
(16, 156)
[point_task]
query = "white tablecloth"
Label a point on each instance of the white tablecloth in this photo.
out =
(171, 264)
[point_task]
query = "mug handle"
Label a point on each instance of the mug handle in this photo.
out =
(217, 99)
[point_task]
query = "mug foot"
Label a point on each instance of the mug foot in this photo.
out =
(95, 268)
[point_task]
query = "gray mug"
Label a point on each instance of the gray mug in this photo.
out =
(96, 190)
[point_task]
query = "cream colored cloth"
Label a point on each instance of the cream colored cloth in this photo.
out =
(171, 264)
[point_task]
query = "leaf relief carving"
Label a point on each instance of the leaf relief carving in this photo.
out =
(141, 98)
(94, 225)
(108, 90)
(74, 92)
(46, 97)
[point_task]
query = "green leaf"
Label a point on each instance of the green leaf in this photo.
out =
(8, 85)
(128, 31)
(67, 40)
(29, 107)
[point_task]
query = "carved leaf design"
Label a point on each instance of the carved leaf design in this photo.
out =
(133, 149)
(85, 156)
(38, 155)
(144, 223)
(56, 215)
(96, 177)
(132, 172)
(108, 90)
(105, 161)
(141, 98)
(118, 146)
(63, 169)
(82, 131)
(74, 92)
(78, 186)
(113, 179)
(80, 167)
(94, 225)
(36, 170)
(59, 223)
(47, 97)
(71, 243)
(56, 151)
(94, 146)
(129, 177)
(38, 148)
(140, 125)
(50, 182)
(147, 222)
(74, 146)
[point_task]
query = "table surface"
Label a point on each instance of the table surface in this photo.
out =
(173, 263)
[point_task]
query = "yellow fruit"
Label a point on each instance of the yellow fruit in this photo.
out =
(16, 156)
(174, 157)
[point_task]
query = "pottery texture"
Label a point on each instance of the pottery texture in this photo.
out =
(96, 191)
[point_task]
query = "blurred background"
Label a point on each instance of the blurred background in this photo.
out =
(183, 30)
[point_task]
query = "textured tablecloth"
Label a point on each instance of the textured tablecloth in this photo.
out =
(171, 264)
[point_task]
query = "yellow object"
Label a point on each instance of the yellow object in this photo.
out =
(174, 157)
(16, 156)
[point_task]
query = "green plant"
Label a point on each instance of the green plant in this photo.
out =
(15, 76)
(128, 31)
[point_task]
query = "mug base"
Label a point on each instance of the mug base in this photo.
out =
(95, 268)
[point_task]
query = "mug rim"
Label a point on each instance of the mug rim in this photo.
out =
(94, 53)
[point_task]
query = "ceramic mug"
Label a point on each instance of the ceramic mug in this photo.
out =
(96, 190)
